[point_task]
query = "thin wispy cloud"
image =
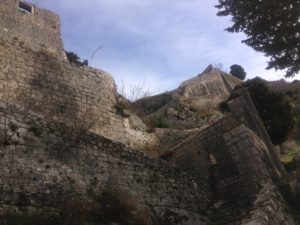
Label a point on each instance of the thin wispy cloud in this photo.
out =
(160, 43)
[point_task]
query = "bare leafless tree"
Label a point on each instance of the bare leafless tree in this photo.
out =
(134, 92)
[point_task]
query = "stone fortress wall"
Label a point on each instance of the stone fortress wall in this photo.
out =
(233, 156)
(39, 171)
(42, 170)
(60, 89)
(33, 63)
(64, 89)
(38, 29)
(228, 161)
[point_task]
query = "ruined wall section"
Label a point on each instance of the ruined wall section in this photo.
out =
(58, 90)
(45, 168)
(40, 29)
(269, 208)
(242, 108)
(71, 93)
(229, 155)
(236, 163)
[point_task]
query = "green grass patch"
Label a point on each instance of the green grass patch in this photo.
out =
(288, 156)
(36, 128)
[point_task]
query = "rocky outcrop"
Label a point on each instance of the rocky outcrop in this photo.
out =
(234, 156)
(212, 83)
(195, 103)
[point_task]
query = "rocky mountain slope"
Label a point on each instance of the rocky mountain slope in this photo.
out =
(194, 103)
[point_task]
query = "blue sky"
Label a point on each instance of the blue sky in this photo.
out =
(154, 43)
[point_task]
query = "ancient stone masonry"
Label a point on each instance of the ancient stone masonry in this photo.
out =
(227, 152)
(62, 138)
(238, 165)
(42, 169)
(32, 63)
(37, 28)
(243, 109)
(60, 88)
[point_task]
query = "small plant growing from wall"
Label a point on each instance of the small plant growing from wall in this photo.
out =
(75, 127)
(75, 59)
(14, 110)
(82, 124)
(36, 128)
(120, 109)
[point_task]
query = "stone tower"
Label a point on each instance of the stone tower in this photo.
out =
(37, 28)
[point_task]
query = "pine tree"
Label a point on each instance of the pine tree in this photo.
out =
(271, 27)
(238, 71)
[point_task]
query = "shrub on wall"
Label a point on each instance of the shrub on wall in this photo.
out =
(75, 59)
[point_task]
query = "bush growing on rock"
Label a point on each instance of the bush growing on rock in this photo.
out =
(274, 110)
(238, 71)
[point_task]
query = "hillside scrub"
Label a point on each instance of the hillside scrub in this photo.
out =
(238, 71)
(274, 110)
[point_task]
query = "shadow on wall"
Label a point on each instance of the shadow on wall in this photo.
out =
(51, 87)
(57, 100)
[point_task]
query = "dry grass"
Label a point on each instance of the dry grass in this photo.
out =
(289, 155)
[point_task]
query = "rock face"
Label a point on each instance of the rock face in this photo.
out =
(195, 103)
(211, 83)
(240, 167)
(64, 136)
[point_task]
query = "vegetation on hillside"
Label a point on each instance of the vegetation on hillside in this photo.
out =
(293, 97)
(291, 91)
(288, 156)
(292, 197)
(238, 71)
(273, 108)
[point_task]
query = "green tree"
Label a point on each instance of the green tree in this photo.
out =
(271, 27)
(238, 71)
(75, 59)
(274, 110)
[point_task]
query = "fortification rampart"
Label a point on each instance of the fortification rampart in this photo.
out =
(48, 154)
(243, 109)
(227, 152)
(58, 89)
(233, 157)
(37, 28)
(62, 91)
(45, 166)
